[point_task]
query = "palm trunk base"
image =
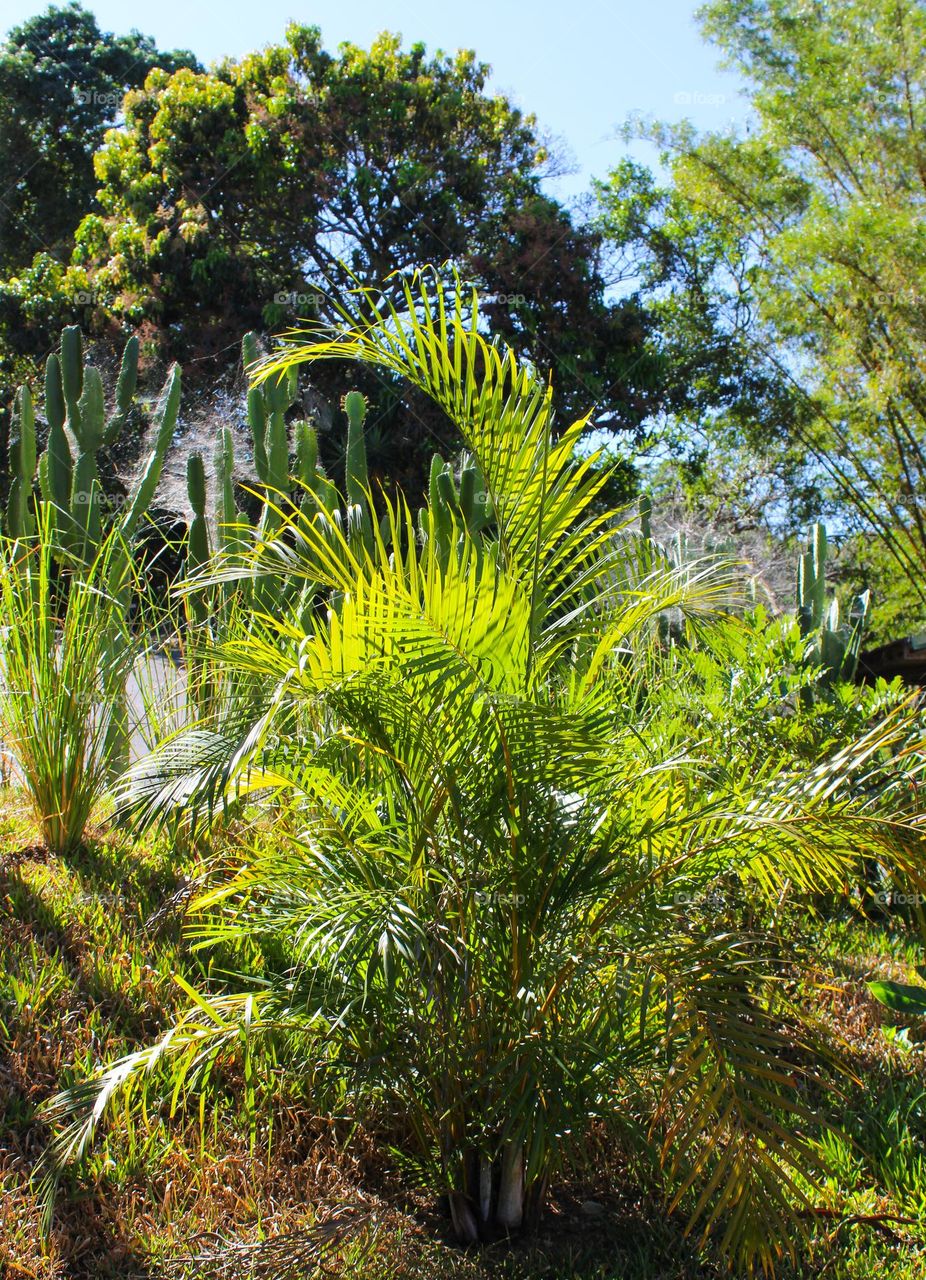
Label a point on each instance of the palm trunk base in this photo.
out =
(495, 1201)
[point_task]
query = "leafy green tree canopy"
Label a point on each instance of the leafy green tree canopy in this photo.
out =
(62, 81)
(236, 198)
(799, 250)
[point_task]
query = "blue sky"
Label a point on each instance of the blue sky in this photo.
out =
(581, 67)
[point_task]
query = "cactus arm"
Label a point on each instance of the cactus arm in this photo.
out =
(646, 517)
(19, 518)
(819, 555)
(60, 466)
(15, 510)
(26, 441)
(440, 521)
(226, 512)
(55, 411)
(467, 498)
(85, 504)
(151, 473)
(446, 490)
(52, 512)
(198, 538)
(44, 484)
(281, 391)
(250, 352)
(805, 593)
(437, 466)
(306, 452)
(832, 653)
(72, 365)
(276, 452)
(257, 420)
(125, 391)
(325, 493)
(57, 451)
(90, 423)
(356, 477)
(276, 449)
(481, 506)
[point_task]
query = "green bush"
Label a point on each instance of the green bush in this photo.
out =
(491, 840)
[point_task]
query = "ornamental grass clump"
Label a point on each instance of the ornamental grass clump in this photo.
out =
(65, 657)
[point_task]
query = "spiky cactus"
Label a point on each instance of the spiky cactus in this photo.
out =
(165, 425)
(356, 478)
(125, 392)
(465, 509)
(75, 409)
(198, 548)
(198, 538)
(268, 405)
(319, 494)
(20, 517)
(228, 519)
(59, 466)
(830, 644)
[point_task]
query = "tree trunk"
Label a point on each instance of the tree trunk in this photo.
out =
(494, 1199)
(509, 1212)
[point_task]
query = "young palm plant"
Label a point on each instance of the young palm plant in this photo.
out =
(485, 823)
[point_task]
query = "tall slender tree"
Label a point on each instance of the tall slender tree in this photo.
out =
(800, 245)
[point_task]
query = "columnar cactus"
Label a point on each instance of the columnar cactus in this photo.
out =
(466, 508)
(198, 549)
(228, 518)
(831, 645)
(59, 464)
(19, 515)
(75, 406)
(319, 493)
(646, 516)
(268, 405)
(811, 582)
(198, 538)
(165, 425)
(356, 478)
(125, 392)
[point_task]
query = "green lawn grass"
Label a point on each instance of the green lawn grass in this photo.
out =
(90, 948)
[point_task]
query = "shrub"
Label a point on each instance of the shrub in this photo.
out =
(491, 832)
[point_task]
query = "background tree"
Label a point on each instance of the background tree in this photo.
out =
(721, 404)
(238, 198)
(795, 261)
(62, 81)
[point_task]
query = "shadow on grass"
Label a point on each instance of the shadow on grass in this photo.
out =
(53, 987)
